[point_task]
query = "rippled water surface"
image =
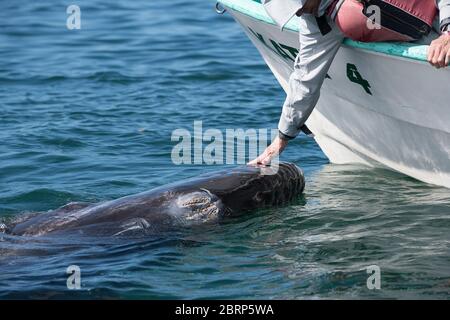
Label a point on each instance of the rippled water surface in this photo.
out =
(87, 115)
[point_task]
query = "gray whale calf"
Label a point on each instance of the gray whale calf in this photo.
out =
(204, 199)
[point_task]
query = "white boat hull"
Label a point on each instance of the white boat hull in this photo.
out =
(401, 122)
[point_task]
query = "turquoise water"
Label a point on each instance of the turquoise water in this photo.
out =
(87, 115)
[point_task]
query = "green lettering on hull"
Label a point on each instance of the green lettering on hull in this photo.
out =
(355, 77)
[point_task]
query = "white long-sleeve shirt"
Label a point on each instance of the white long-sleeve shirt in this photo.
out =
(315, 56)
(444, 11)
(281, 11)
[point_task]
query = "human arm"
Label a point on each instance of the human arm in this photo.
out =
(316, 54)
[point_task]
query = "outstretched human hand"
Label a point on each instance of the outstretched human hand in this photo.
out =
(275, 148)
(439, 51)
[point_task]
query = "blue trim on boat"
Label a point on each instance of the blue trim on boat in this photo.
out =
(255, 10)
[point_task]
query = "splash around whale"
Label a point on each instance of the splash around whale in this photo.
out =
(204, 199)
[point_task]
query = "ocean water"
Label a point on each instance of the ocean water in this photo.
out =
(87, 115)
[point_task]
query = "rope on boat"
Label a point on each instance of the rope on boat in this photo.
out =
(220, 9)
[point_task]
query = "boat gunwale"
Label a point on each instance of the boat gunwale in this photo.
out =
(255, 10)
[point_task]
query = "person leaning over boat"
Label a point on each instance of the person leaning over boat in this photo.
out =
(323, 26)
